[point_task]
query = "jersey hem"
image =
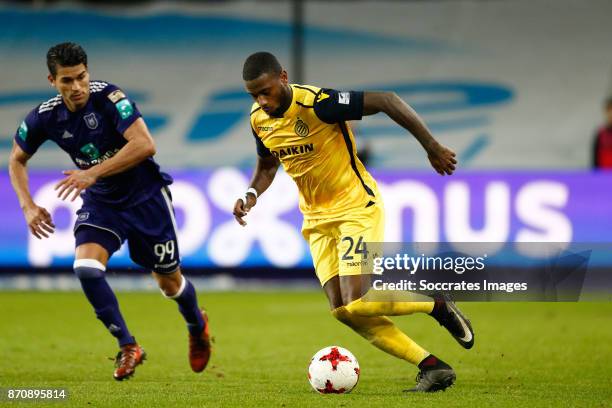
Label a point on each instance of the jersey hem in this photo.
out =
(339, 213)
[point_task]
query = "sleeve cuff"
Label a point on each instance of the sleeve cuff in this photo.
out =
(125, 124)
(358, 114)
(24, 146)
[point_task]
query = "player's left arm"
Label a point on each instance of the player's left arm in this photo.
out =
(442, 159)
(139, 147)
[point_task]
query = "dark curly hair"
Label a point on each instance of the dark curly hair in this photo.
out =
(66, 54)
(260, 63)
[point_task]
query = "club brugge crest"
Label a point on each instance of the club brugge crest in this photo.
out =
(91, 121)
(301, 128)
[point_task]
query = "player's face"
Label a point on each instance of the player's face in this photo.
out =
(609, 115)
(270, 92)
(73, 84)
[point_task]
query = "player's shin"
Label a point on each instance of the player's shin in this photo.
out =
(388, 308)
(383, 334)
(91, 274)
(188, 306)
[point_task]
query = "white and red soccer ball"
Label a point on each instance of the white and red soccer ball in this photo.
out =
(333, 370)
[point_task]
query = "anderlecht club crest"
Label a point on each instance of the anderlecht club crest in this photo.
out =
(91, 121)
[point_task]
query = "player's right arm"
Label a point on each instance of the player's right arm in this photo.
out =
(38, 219)
(265, 170)
(28, 138)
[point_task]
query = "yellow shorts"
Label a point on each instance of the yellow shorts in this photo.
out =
(338, 244)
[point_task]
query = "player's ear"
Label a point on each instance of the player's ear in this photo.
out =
(51, 80)
(284, 77)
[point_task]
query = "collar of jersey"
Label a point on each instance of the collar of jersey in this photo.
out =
(68, 113)
(291, 110)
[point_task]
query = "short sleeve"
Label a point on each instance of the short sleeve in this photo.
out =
(262, 150)
(333, 106)
(123, 110)
(30, 135)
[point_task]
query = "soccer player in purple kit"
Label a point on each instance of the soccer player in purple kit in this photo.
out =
(125, 197)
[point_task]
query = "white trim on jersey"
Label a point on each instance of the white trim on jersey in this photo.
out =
(50, 104)
(97, 86)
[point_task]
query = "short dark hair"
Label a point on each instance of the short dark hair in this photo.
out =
(66, 54)
(260, 63)
(608, 102)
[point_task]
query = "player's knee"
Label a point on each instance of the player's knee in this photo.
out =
(357, 307)
(361, 325)
(88, 268)
(171, 287)
(343, 315)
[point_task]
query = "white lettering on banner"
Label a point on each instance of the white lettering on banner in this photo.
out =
(191, 235)
(231, 244)
(194, 230)
(423, 202)
(61, 243)
(538, 205)
(496, 208)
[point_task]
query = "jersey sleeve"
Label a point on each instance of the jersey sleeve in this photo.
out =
(332, 106)
(30, 135)
(262, 150)
(122, 110)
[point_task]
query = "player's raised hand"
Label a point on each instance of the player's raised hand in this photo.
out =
(39, 221)
(243, 206)
(442, 159)
(77, 181)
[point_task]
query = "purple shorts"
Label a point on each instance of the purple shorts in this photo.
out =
(149, 228)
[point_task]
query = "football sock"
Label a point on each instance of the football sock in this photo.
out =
(432, 362)
(91, 274)
(188, 306)
(389, 308)
(383, 334)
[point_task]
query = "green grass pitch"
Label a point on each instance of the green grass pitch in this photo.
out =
(526, 354)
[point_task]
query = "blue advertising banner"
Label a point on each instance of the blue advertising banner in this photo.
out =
(182, 64)
(494, 207)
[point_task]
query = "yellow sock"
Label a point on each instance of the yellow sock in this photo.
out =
(389, 308)
(383, 334)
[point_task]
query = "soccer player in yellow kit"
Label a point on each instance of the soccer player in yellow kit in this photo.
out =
(305, 129)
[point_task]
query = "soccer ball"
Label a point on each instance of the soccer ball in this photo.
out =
(333, 370)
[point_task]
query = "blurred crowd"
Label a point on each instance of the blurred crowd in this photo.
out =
(602, 146)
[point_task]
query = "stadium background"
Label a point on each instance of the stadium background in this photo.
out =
(515, 87)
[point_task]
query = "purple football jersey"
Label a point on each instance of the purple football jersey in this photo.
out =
(90, 136)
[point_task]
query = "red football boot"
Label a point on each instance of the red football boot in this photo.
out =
(127, 359)
(199, 348)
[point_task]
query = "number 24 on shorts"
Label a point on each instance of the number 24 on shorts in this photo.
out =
(359, 248)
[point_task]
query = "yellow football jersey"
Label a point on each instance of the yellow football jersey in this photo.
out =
(316, 147)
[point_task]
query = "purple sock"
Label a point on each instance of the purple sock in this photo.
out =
(188, 306)
(104, 302)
